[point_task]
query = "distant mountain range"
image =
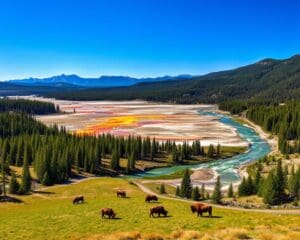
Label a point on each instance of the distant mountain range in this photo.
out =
(268, 79)
(103, 81)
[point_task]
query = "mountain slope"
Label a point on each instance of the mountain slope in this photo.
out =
(266, 79)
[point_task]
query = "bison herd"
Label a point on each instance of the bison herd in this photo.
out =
(199, 208)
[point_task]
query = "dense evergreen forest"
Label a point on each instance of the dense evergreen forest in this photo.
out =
(281, 119)
(56, 154)
(27, 106)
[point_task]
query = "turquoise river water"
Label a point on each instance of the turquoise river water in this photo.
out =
(226, 168)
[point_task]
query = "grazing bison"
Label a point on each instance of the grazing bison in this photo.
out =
(158, 210)
(201, 208)
(78, 199)
(121, 193)
(150, 198)
(108, 212)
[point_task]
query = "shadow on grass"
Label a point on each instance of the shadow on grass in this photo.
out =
(169, 216)
(81, 203)
(211, 217)
(10, 199)
(158, 202)
(116, 218)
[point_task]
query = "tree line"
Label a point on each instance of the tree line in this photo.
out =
(280, 185)
(27, 106)
(281, 119)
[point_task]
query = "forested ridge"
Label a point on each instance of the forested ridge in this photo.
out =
(27, 106)
(268, 79)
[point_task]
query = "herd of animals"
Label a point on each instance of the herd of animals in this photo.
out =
(199, 208)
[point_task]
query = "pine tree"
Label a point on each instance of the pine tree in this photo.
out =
(249, 186)
(3, 173)
(257, 181)
(217, 193)
(218, 153)
(153, 149)
(210, 151)
(175, 157)
(285, 175)
(196, 193)
(242, 189)
(186, 185)
(162, 189)
(230, 191)
(133, 160)
(207, 196)
(177, 193)
(269, 190)
(26, 179)
(46, 179)
(280, 181)
(14, 185)
(294, 185)
(114, 163)
(202, 191)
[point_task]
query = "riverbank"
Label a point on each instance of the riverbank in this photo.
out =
(268, 137)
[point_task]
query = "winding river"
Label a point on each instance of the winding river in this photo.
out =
(226, 168)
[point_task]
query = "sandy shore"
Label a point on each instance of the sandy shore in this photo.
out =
(270, 139)
(198, 177)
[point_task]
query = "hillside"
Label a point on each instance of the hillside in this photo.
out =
(51, 211)
(266, 79)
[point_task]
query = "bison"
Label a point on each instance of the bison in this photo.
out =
(78, 199)
(108, 212)
(150, 198)
(201, 208)
(158, 210)
(121, 193)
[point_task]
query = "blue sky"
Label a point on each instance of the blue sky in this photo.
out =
(142, 37)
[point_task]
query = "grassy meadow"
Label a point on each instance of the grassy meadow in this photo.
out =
(50, 214)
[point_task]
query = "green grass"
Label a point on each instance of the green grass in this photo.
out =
(175, 175)
(53, 215)
(155, 188)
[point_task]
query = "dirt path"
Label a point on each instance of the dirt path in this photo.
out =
(148, 191)
(292, 211)
(71, 182)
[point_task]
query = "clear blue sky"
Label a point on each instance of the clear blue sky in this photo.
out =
(41, 38)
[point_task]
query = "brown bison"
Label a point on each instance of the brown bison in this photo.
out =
(158, 210)
(150, 198)
(201, 208)
(121, 193)
(108, 212)
(78, 199)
